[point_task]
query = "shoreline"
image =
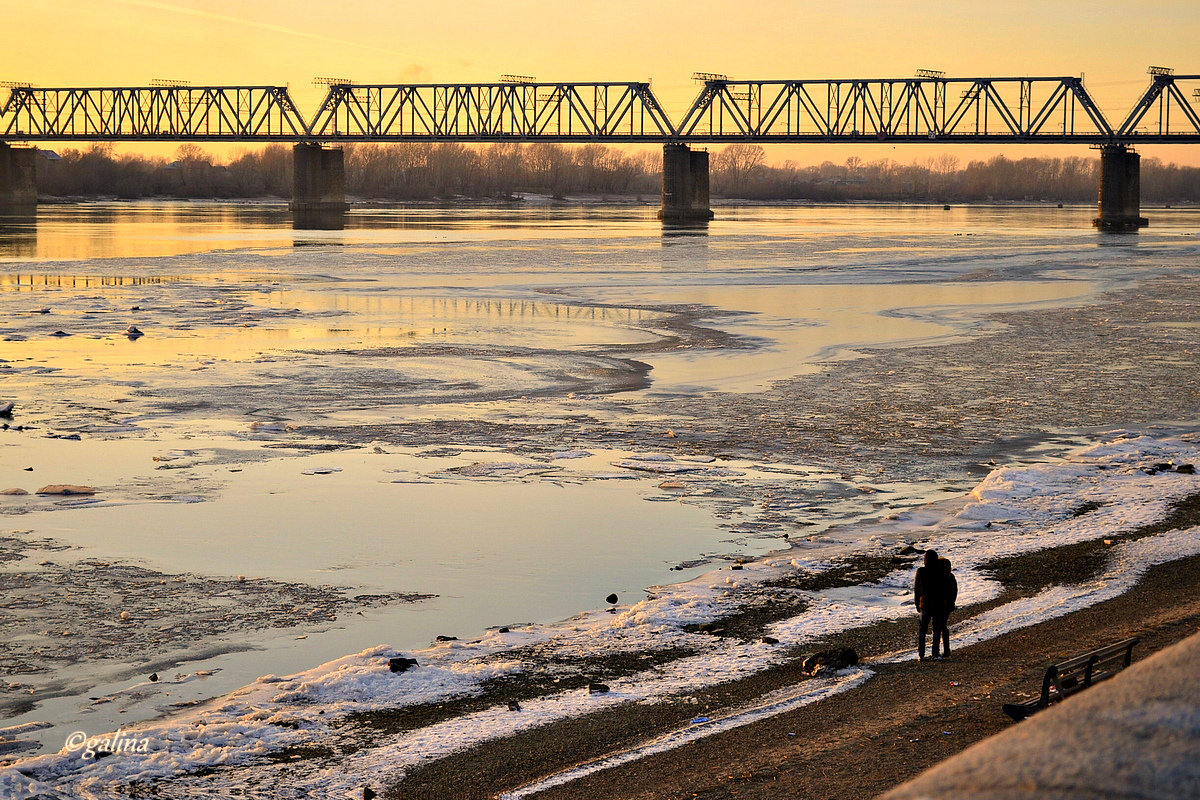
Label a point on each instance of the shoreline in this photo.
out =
(540, 200)
(364, 745)
(907, 718)
(515, 762)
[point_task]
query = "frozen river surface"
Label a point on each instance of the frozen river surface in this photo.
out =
(441, 421)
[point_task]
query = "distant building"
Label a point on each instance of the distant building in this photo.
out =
(194, 177)
(47, 166)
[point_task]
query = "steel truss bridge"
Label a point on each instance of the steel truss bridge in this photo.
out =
(926, 108)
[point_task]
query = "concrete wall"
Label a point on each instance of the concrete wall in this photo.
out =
(18, 176)
(318, 187)
(1120, 201)
(685, 194)
(1136, 735)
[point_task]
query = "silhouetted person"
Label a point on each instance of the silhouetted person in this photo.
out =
(931, 593)
(951, 586)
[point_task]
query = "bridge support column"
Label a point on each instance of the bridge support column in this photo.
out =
(1120, 203)
(684, 185)
(318, 188)
(18, 177)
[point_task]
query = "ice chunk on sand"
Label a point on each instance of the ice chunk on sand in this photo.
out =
(66, 489)
(269, 427)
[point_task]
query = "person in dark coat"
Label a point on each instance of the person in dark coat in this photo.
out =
(951, 599)
(930, 592)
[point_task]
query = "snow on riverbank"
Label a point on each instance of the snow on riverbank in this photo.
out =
(1117, 486)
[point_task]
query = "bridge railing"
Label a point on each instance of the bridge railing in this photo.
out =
(152, 113)
(895, 109)
(492, 112)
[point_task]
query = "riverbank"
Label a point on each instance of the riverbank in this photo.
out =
(535, 199)
(692, 660)
(907, 717)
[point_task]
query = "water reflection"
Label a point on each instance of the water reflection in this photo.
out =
(318, 219)
(1112, 237)
(19, 282)
(298, 242)
(73, 231)
(685, 247)
(477, 322)
(139, 229)
(697, 227)
(18, 231)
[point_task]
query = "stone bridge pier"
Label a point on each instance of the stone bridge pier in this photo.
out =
(18, 177)
(684, 185)
(1120, 203)
(318, 188)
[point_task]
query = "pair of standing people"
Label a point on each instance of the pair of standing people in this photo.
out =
(935, 592)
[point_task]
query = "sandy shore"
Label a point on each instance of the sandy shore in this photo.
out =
(909, 717)
(857, 744)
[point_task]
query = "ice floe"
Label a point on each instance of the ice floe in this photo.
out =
(663, 465)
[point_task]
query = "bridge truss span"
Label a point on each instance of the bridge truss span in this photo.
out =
(1175, 115)
(927, 108)
(152, 113)
(492, 112)
(919, 109)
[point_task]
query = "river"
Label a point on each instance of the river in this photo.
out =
(445, 419)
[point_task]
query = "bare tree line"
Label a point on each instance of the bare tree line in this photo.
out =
(415, 171)
(419, 171)
(498, 170)
(740, 170)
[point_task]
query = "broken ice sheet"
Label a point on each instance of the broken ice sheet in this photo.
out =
(406, 476)
(121, 610)
(663, 465)
(501, 469)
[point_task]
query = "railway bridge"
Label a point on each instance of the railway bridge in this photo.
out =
(929, 108)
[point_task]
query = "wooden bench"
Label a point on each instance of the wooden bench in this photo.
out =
(1075, 675)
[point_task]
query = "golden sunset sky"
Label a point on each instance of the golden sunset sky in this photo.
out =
(130, 42)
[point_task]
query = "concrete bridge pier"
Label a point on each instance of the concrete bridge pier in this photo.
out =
(18, 177)
(684, 185)
(1120, 203)
(318, 188)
